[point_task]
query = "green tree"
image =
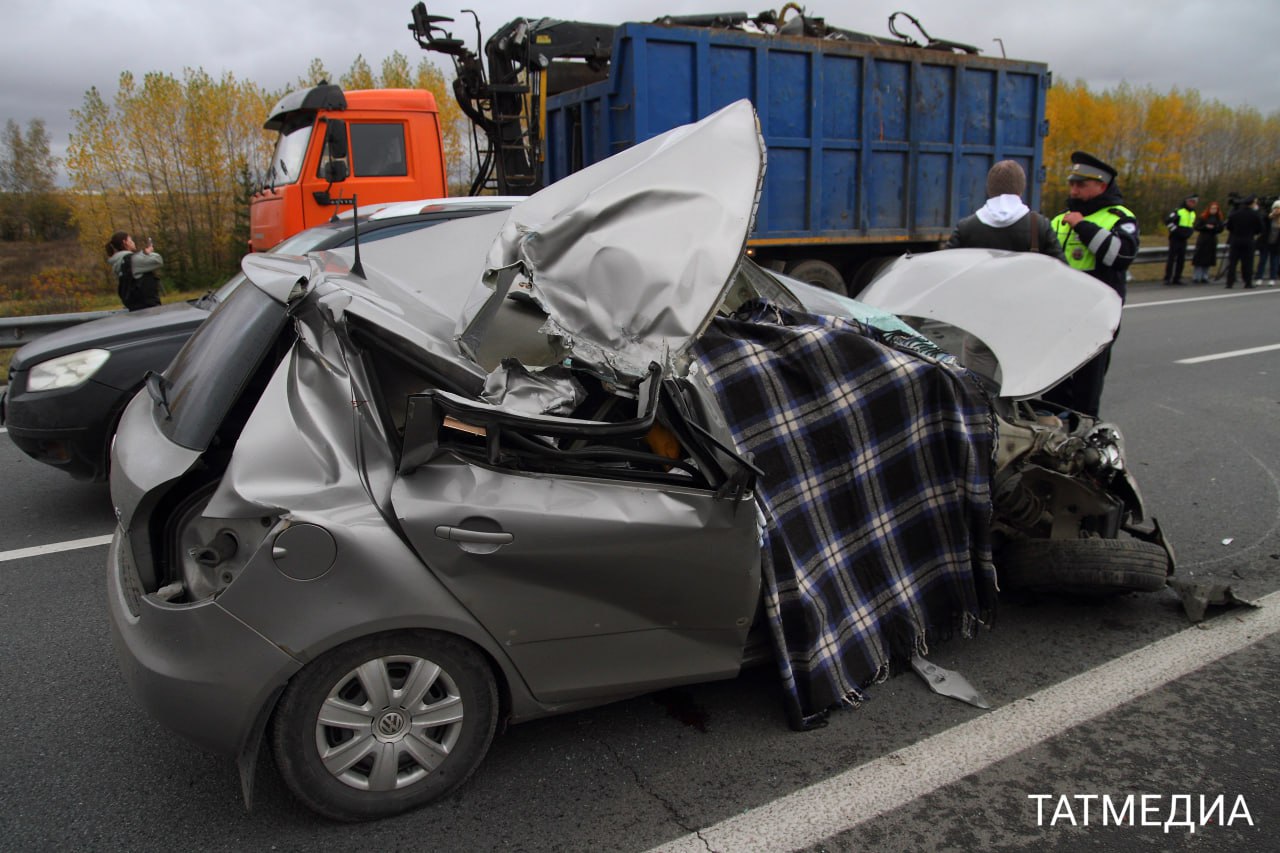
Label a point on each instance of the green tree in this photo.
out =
(316, 74)
(360, 76)
(32, 207)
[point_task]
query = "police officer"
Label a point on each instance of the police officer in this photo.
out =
(1099, 236)
(1181, 224)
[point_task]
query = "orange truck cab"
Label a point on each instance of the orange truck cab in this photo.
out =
(376, 145)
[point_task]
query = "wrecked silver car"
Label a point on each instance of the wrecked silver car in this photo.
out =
(522, 463)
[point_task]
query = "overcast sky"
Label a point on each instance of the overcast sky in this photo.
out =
(57, 49)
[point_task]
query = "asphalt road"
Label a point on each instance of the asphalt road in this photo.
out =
(85, 769)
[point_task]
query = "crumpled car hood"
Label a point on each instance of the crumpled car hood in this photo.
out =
(1040, 317)
(630, 257)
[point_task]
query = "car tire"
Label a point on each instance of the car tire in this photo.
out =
(820, 274)
(408, 717)
(1090, 566)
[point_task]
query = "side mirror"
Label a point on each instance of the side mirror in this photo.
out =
(335, 171)
(334, 166)
(335, 139)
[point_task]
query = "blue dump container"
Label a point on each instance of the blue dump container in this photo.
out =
(872, 149)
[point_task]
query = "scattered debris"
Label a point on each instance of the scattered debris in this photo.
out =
(1198, 597)
(944, 682)
(1228, 541)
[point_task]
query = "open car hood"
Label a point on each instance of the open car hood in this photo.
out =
(1041, 318)
(630, 257)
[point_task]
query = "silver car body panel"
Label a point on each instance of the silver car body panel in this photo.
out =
(138, 437)
(279, 276)
(580, 594)
(1041, 318)
(630, 257)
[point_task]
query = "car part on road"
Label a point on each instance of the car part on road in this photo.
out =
(1198, 597)
(1089, 566)
(946, 682)
(385, 723)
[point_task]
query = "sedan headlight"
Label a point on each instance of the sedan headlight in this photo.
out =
(66, 371)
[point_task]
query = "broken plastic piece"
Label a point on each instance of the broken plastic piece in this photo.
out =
(1197, 597)
(944, 682)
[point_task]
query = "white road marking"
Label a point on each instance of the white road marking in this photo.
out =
(38, 550)
(1233, 354)
(3, 430)
(1179, 301)
(827, 808)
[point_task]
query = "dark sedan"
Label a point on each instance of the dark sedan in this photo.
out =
(68, 389)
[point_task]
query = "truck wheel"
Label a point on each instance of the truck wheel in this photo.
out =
(384, 724)
(868, 270)
(1082, 566)
(820, 274)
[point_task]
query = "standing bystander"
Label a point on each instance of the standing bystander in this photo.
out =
(135, 271)
(1181, 224)
(1208, 227)
(1273, 274)
(1244, 224)
(1099, 236)
(1003, 222)
(1266, 248)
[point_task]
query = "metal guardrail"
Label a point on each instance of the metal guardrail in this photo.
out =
(16, 331)
(1160, 254)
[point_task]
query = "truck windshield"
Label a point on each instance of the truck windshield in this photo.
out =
(291, 149)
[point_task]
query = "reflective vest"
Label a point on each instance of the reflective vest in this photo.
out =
(1075, 251)
(1186, 218)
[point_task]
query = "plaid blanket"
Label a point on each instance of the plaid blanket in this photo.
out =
(876, 461)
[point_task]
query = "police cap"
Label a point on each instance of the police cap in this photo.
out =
(1086, 167)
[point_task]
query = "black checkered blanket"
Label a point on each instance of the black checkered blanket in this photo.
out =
(876, 494)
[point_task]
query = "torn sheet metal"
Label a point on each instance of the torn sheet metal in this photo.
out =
(550, 391)
(630, 257)
(1041, 318)
(1197, 597)
(946, 682)
(281, 277)
(313, 442)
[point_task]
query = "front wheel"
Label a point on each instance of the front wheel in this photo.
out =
(1089, 566)
(385, 724)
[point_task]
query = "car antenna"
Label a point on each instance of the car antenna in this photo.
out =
(357, 268)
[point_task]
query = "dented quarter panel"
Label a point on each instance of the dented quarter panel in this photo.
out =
(312, 439)
(605, 586)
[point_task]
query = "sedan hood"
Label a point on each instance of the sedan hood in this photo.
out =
(630, 257)
(125, 327)
(1041, 318)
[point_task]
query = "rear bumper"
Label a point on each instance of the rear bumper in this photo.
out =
(195, 668)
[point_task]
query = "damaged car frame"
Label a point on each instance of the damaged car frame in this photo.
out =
(364, 517)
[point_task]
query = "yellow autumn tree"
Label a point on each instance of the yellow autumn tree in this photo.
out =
(1164, 145)
(165, 159)
(360, 76)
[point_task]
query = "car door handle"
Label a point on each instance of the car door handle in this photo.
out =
(478, 537)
